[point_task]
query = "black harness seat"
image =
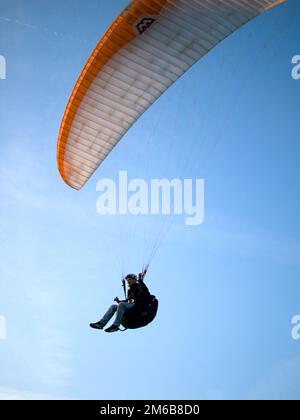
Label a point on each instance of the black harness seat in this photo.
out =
(136, 318)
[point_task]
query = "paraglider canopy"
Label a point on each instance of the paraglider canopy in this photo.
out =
(145, 50)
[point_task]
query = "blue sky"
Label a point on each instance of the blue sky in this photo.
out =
(228, 289)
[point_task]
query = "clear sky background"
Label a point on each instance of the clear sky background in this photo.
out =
(227, 289)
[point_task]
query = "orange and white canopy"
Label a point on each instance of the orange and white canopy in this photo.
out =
(146, 49)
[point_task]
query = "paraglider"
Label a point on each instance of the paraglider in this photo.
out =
(148, 47)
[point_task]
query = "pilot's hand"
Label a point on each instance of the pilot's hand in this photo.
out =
(117, 300)
(142, 275)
